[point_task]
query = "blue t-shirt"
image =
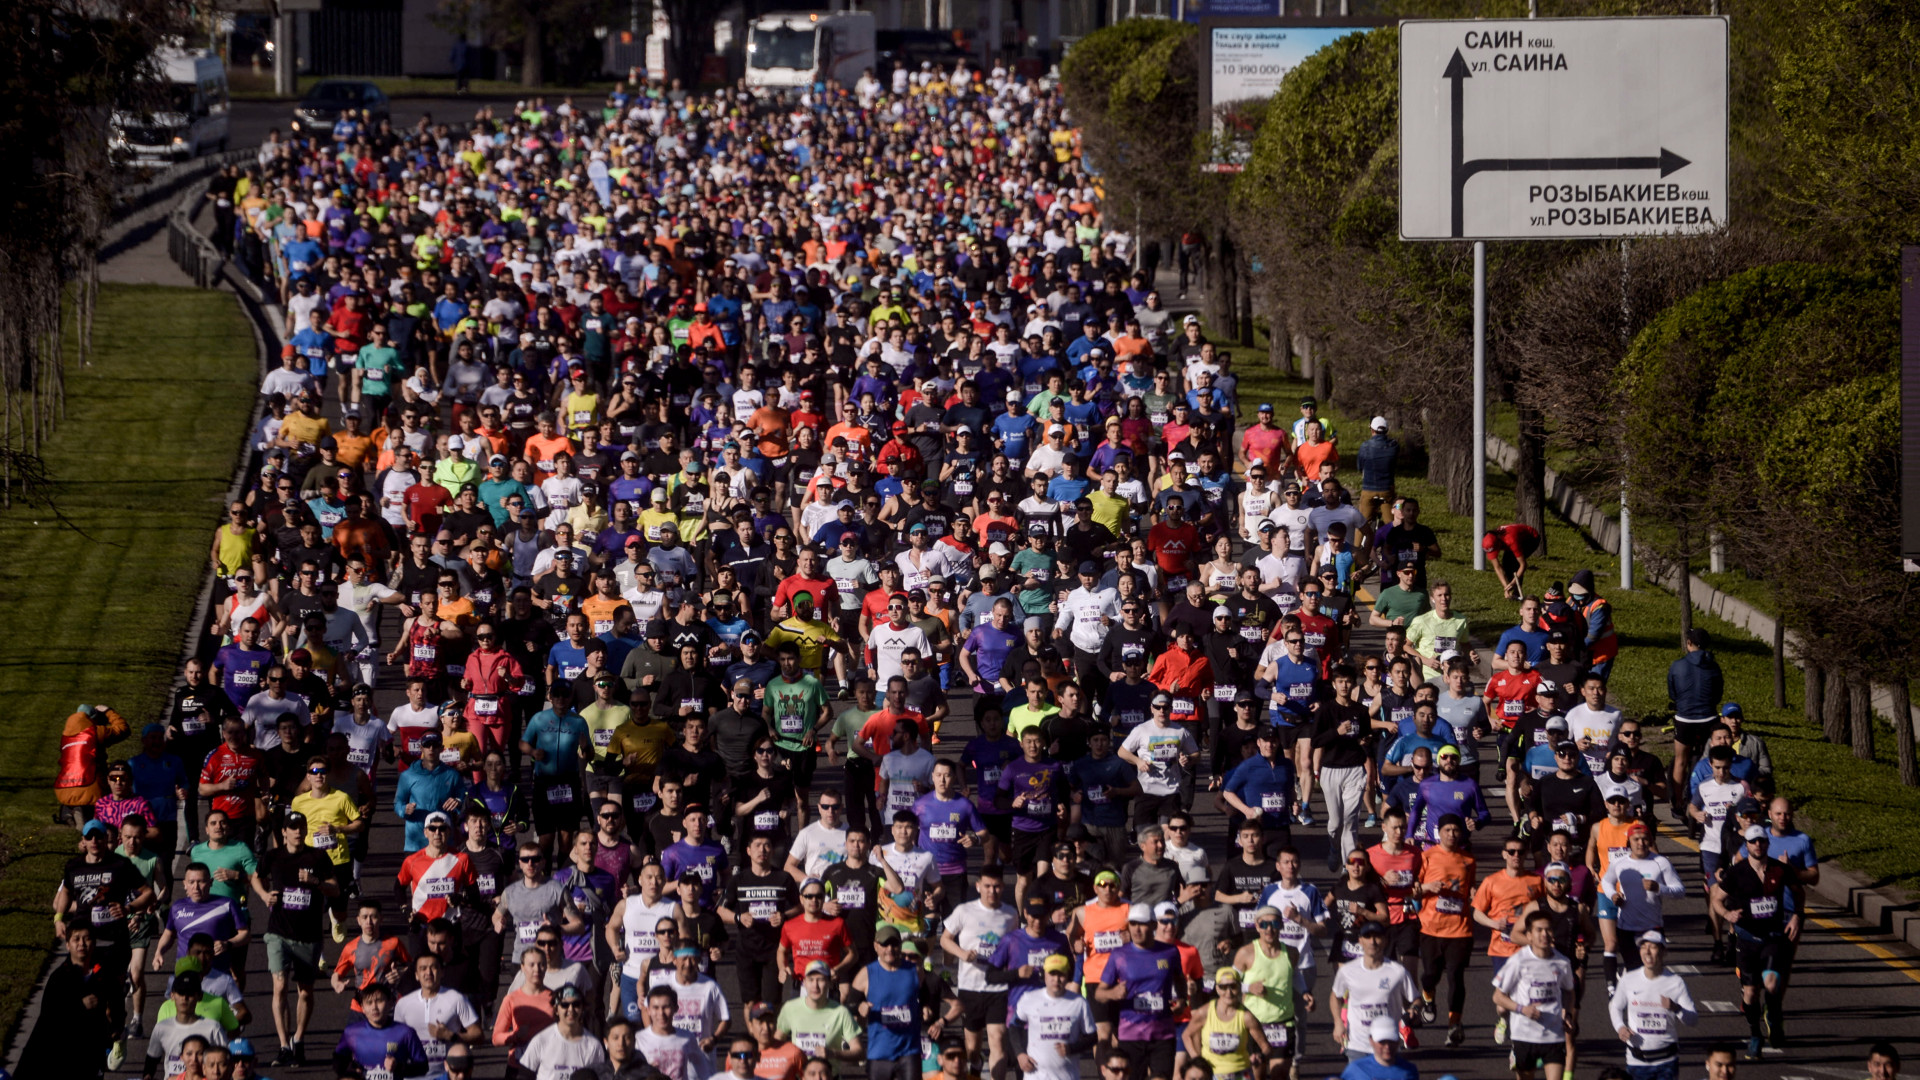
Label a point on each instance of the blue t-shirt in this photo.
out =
(942, 823)
(155, 778)
(989, 648)
(1535, 641)
(709, 860)
(568, 659)
(366, 1046)
(1093, 779)
(984, 758)
(1021, 949)
(560, 737)
(1367, 1068)
(1016, 432)
(314, 346)
(1266, 786)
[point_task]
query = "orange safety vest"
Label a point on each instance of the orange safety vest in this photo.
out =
(1607, 645)
(79, 759)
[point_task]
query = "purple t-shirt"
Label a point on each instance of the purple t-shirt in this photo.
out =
(1045, 786)
(942, 823)
(366, 1046)
(242, 670)
(1148, 973)
(216, 915)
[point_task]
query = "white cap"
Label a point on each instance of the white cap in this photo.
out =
(1223, 612)
(1379, 423)
(1382, 1029)
(999, 548)
(1166, 909)
(1191, 320)
(1653, 937)
(1140, 913)
(1755, 832)
(455, 442)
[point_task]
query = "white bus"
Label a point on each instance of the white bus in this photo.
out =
(190, 120)
(792, 50)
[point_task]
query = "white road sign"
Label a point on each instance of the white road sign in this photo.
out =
(1562, 128)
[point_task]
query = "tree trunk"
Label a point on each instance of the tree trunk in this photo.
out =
(1309, 356)
(1279, 343)
(1450, 459)
(1779, 663)
(1530, 474)
(1860, 717)
(1245, 309)
(1813, 694)
(1323, 381)
(1220, 285)
(1833, 719)
(533, 61)
(1686, 587)
(1903, 731)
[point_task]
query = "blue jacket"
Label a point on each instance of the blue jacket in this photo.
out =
(1695, 685)
(427, 791)
(1377, 457)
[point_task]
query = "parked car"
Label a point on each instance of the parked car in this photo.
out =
(316, 113)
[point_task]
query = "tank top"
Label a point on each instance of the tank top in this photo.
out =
(638, 926)
(423, 651)
(1567, 928)
(1610, 841)
(1274, 1005)
(524, 553)
(236, 552)
(1224, 1043)
(893, 1022)
(1106, 931)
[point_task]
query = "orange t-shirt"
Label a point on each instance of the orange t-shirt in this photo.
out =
(1499, 898)
(541, 450)
(352, 450)
(1312, 455)
(599, 611)
(1444, 914)
(770, 423)
(781, 1061)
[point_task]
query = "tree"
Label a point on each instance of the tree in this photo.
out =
(543, 32)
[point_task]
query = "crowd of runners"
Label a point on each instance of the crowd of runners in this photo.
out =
(799, 588)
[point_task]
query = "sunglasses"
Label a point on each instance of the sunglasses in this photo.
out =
(310, 772)
(527, 859)
(811, 896)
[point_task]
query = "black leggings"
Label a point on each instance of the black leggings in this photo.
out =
(1452, 954)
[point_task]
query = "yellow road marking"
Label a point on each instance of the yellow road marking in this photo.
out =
(1894, 960)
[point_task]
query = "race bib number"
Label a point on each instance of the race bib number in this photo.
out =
(1149, 1003)
(791, 724)
(1183, 707)
(1314, 639)
(947, 833)
(323, 841)
(1225, 693)
(1096, 794)
(1763, 907)
(852, 896)
(1276, 1035)
(101, 915)
(896, 1014)
(1448, 905)
(439, 887)
(486, 706)
(603, 738)
(1651, 1021)
(559, 794)
(766, 819)
(425, 653)
(486, 884)
(693, 703)
(296, 899)
(1274, 802)
(1444, 644)
(1109, 940)
(246, 678)
(644, 801)
(1513, 709)
(1246, 918)
(810, 1042)
(192, 726)
(900, 795)
(362, 758)
(1223, 1042)
(762, 909)
(449, 757)
(1300, 691)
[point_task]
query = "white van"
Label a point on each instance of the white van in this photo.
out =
(789, 51)
(193, 119)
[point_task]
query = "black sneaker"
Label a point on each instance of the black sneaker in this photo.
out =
(299, 1055)
(1457, 1035)
(284, 1058)
(1717, 956)
(1427, 1013)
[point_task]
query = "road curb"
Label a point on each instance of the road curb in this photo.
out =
(1878, 908)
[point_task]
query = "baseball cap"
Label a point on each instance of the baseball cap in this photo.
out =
(1383, 1029)
(1223, 612)
(1039, 905)
(241, 1047)
(95, 826)
(1140, 913)
(886, 934)
(1747, 805)
(294, 819)
(760, 1010)
(1755, 832)
(1379, 423)
(1731, 708)
(1057, 964)
(1089, 567)
(818, 967)
(1652, 937)
(1556, 869)
(436, 818)
(1165, 909)
(1556, 723)
(999, 548)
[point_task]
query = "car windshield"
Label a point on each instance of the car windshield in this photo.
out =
(334, 94)
(781, 47)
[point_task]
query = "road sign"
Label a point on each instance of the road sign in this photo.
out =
(1562, 128)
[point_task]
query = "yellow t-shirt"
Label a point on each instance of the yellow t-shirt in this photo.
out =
(646, 742)
(335, 809)
(810, 637)
(304, 429)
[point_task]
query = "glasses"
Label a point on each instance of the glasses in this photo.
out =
(1513, 853)
(1176, 828)
(1267, 924)
(529, 859)
(610, 815)
(569, 1005)
(316, 771)
(743, 1055)
(811, 896)
(1157, 707)
(759, 751)
(826, 806)
(435, 828)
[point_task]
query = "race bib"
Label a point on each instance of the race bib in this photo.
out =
(764, 820)
(1223, 1042)
(1183, 707)
(449, 757)
(1300, 691)
(362, 758)
(943, 832)
(1276, 1035)
(1763, 907)
(762, 909)
(899, 795)
(1246, 918)
(1314, 638)
(1109, 940)
(1448, 905)
(559, 794)
(603, 738)
(439, 887)
(896, 1014)
(246, 678)
(1096, 794)
(425, 653)
(1274, 802)
(644, 801)
(192, 726)
(1225, 693)
(693, 703)
(296, 899)
(810, 1042)
(1444, 644)
(1148, 1003)
(486, 884)
(1513, 709)
(852, 896)
(486, 706)
(323, 841)
(791, 724)
(1651, 1021)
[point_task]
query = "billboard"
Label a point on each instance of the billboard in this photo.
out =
(1562, 128)
(1243, 60)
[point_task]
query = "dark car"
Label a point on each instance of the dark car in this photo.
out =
(324, 103)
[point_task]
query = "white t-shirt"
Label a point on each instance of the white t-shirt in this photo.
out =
(1295, 519)
(406, 725)
(1305, 898)
(1051, 1023)
(702, 1008)
(1080, 617)
(676, 1056)
(1596, 726)
(448, 1008)
(902, 773)
(1188, 857)
(977, 928)
(1545, 982)
(364, 740)
(911, 867)
(1640, 908)
(639, 925)
(817, 847)
(170, 1034)
(1717, 801)
(1636, 1006)
(552, 1056)
(888, 643)
(1369, 992)
(1160, 746)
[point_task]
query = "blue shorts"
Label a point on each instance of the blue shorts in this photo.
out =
(1709, 865)
(1605, 908)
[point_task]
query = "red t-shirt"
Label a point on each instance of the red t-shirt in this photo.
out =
(1173, 546)
(824, 940)
(782, 1061)
(226, 763)
(826, 596)
(424, 504)
(1509, 696)
(1511, 538)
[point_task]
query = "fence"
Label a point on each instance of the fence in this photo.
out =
(189, 248)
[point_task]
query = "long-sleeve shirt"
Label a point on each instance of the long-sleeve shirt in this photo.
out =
(1641, 908)
(1636, 1006)
(427, 791)
(522, 1016)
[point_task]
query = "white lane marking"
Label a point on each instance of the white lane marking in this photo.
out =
(1719, 1007)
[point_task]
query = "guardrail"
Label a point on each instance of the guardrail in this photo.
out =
(189, 248)
(136, 211)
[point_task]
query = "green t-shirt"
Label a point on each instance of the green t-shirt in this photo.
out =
(1029, 715)
(1430, 635)
(1034, 601)
(816, 1031)
(793, 708)
(602, 721)
(229, 857)
(1398, 603)
(846, 726)
(380, 368)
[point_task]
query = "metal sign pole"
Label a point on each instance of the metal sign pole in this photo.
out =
(1479, 402)
(1626, 341)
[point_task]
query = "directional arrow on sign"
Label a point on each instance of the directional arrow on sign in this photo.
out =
(1666, 161)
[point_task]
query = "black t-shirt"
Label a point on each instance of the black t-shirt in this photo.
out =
(91, 886)
(1065, 893)
(1564, 680)
(300, 914)
(857, 891)
(760, 896)
(766, 816)
(1757, 893)
(700, 773)
(492, 874)
(1342, 750)
(1348, 912)
(1239, 876)
(1569, 804)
